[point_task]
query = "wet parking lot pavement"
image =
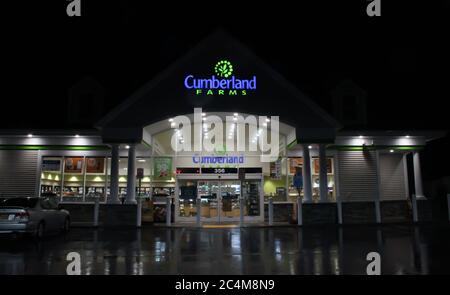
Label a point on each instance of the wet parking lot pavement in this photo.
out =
(404, 249)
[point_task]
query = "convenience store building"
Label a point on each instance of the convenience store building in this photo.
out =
(130, 154)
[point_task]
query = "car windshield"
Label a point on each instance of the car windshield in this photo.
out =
(18, 202)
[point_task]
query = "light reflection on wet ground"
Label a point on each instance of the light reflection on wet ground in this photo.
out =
(404, 249)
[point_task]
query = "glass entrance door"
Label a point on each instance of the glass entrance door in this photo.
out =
(230, 192)
(209, 192)
(219, 200)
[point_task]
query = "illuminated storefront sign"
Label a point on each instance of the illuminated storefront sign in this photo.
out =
(222, 83)
(218, 159)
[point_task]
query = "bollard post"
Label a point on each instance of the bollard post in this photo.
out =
(448, 205)
(339, 210)
(377, 211)
(139, 212)
(168, 211)
(96, 209)
(299, 211)
(199, 211)
(414, 208)
(270, 211)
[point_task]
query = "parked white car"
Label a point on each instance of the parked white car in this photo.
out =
(31, 215)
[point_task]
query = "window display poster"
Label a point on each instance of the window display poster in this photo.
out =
(95, 165)
(51, 165)
(162, 168)
(294, 163)
(317, 165)
(73, 165)
(275, 170)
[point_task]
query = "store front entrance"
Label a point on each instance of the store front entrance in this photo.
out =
(219, 200)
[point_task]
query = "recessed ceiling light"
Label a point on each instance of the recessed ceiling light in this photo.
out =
(127, 146)
(310, 146)
(360, 136)
(77, 135)
(391, 151)
(30, 135)
(407, 136)
(235, 114)
(170, 120)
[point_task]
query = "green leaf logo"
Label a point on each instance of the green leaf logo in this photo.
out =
(221, 151)
(223, 69)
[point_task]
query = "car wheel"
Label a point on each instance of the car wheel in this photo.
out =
(40, 231)
(66, 226)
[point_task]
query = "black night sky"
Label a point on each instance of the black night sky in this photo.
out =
(400, 58)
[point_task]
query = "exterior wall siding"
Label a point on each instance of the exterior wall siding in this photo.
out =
(18, 173)
(357, 176)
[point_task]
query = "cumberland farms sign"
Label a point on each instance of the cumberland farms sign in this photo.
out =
(222, 82)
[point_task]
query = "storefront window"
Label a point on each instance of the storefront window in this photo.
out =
(275, 180)
(163, 178)
(143, 184)
(81, 178)
(296, 163)
(51, 175)
(123, 166)
(108, 178)
(143, 181)
(188, 198)
(123, 173)
(146, 187)
(250, 192)
(73, 183)
(316, 179)
(95, 179)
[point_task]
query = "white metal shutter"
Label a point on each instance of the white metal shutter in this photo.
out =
(392, 177)
(18, 173)
(357, 175)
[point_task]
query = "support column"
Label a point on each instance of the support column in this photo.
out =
(307, 193)
(131, 175)
(323, 179)
(114, 185)
(417, 175)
